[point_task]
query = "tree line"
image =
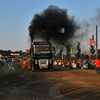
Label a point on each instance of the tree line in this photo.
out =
(8, 52)
(78, 55)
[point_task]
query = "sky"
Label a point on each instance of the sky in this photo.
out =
(16, 15)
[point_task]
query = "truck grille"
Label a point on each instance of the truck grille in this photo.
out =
(43, 63)
(43, 56)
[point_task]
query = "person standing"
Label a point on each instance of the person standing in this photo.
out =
(73, 64)
(79, 63)
(97, 65)
(2, 62)
(10, 63)
(89, 64)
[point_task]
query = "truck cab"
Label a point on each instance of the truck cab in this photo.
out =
(41, 54)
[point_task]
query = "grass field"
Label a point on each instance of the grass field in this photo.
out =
(61, 66)
(4, 67)
(90, 70)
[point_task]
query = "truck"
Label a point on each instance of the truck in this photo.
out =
(41, 56)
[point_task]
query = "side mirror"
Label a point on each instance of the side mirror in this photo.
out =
(52, 48)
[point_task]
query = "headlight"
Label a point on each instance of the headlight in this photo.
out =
(35, 61)
(50, 60)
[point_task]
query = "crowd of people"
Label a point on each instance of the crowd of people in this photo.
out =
(72, 63)
(86, 63)
(76, 63)
(10, 63)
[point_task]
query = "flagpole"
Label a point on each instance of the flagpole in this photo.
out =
(96, 43)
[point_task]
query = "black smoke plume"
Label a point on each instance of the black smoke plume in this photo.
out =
(50, 23)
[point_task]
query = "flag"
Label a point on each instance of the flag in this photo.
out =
(72, 54)
(92, 63)
(89, 54)
(94, 43)
(71, 50)
(28, 51)
(91, 42)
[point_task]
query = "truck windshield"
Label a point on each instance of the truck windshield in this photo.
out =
(42, 49)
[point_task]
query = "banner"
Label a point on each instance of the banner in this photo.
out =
(92, 63)
(94, 43)
(28, 51)
(91, 42)
(72, 54)
(89, 54)
(15, 54)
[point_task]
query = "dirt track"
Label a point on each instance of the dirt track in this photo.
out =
(61, 84)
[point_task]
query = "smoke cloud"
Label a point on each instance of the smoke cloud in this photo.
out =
(53, 24)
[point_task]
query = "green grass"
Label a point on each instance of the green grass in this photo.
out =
(3, 67)
(0, 68)
(94, 70)
(61, 66)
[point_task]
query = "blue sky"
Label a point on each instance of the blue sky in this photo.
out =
(16, 15)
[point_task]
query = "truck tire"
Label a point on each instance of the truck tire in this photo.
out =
(50, 69)
(33, 69)
(71, 67)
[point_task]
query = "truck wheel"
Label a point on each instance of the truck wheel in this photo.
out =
(50, 69)
(71, 67)
(33, 69)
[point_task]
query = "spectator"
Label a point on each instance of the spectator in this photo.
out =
(89, 66)
(73, 64)
(2, 62)
(30, 59)
(9, 60)
(79, 63)
(97, 65)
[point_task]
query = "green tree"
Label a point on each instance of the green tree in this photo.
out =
(20, 52)
(16, 52)
(5, 53)
(1, 52)
(68, 51)
(79, 50)
(9, 52)
(60, 52)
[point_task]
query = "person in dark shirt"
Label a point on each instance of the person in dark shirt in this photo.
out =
(9, 60)
(2, 62)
